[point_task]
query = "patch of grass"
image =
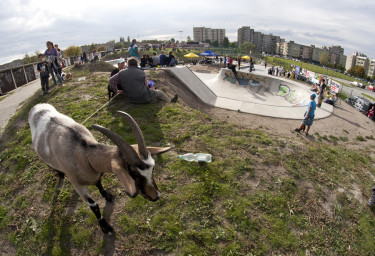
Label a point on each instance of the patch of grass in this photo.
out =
(344, 139)
(360, 138)
(368, 96)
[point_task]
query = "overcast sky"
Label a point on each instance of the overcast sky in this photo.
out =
(26, 25)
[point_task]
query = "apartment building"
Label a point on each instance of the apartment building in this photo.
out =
(201, 34)
(244, 34)
(317, 53)
(307, 52)
(371, 68)
(263, 42)
(359, 59)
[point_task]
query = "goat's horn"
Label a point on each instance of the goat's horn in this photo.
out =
(138, 134)
(124, 147)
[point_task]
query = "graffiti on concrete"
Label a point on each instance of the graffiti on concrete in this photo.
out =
(291, 95)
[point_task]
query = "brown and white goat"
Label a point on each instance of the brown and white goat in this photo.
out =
(70, 148)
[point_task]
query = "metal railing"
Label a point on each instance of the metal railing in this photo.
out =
(13, 78)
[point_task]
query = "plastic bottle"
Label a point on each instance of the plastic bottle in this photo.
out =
(199, 157)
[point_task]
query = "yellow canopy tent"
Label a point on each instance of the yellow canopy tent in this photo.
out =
(191, 55)
(245, 57)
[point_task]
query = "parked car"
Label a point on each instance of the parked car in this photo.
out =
(362, 104)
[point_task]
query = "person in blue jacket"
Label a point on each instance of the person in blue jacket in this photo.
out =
(162, 59)
(309, 116)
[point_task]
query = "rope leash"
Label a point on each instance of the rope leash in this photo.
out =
(99, 109)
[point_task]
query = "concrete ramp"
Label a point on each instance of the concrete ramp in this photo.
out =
(194, 83)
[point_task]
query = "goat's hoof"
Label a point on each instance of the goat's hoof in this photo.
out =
(106, 228)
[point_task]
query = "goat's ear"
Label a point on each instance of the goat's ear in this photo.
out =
(153, 150)
(125, 179)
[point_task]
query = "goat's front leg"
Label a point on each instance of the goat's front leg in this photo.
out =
(106, 228)
(82, 191)
(107, 195)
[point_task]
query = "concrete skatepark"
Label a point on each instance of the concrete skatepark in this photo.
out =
(254, 92)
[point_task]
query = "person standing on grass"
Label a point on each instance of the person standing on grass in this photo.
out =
(52, 54)
(321, 93)
(133, 49)
(309, 116)
(42, 68)
(60, 60)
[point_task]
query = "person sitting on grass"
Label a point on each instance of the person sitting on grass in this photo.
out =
(150, 61)
(162, 59)
(332, 99)
(143, 61)
(171, 60)
(315, 87)
(309, 116)
(155, 59)
(134, 85)
(120, 66)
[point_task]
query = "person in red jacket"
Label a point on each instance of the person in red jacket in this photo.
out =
(371, 112)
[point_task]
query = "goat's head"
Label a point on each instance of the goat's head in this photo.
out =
(135, 172)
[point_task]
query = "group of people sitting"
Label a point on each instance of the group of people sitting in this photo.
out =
(161, 60)
(331, 98)
(132, 82)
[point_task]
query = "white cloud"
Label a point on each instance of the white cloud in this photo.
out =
(25, 25)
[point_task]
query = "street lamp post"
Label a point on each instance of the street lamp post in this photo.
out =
(180, 31)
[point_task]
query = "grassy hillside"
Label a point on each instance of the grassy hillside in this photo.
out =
(261, 195)
(286, 63)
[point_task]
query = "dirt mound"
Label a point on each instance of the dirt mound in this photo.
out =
(99, 66)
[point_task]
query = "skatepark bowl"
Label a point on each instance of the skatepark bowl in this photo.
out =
(253, 92)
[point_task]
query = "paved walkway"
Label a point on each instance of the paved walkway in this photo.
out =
(11, 102)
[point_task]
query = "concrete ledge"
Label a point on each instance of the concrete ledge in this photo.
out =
(194, 83)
